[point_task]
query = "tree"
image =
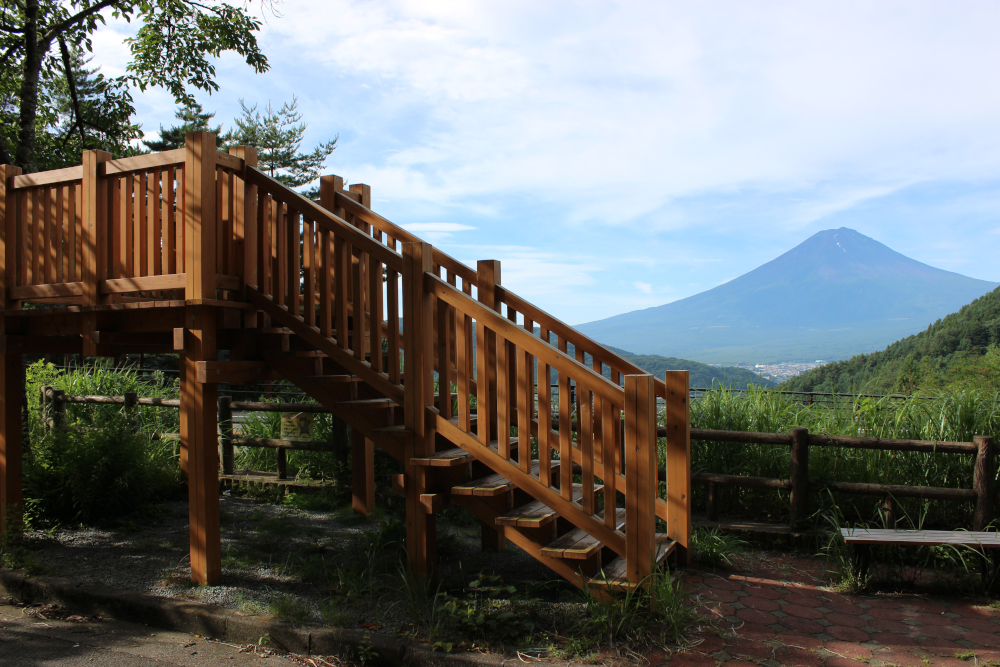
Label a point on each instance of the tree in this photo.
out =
(171, 49)
(277, 136)
(192, 119)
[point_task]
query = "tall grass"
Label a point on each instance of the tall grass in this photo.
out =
(955, 416)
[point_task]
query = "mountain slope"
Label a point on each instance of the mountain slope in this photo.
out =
(955, 350)
(702, 375)
(836, 294)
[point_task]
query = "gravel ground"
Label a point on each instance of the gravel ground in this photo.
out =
(295, 563)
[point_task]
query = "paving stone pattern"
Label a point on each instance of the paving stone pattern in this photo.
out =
(790, 616)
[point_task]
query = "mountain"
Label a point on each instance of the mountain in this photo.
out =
(702, 375)
(957, 351)
(834, 295)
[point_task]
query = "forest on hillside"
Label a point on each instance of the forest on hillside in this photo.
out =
(957, 351)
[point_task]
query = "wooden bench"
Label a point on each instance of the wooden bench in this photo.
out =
(862, 540)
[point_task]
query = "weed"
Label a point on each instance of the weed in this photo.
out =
(289, 608)
(249, 606)
(713, 547)
(652, 613)
(333, 615)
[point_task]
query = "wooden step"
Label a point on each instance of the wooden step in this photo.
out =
(613, 574)
(536, 513)
(578, 544)
(446, 458)
(366, 403)
(493, 485)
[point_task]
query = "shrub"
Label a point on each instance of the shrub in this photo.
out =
(93, 475)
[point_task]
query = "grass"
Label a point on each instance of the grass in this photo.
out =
(956, 416)
(289, 608)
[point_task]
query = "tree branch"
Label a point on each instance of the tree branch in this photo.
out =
(68, 67)
(57, 29)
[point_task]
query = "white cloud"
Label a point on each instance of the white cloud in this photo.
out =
(417, 227)
(645, 288)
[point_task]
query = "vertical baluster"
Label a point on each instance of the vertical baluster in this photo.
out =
(24, 237)
(265, 223)
(128, 214)
(598, 418)
(585, 437)
(325, 281)
(483, 399)
(525, 399)
(503, 397)
(46, 267)
(462, 372)
(294, 260)
(155, 225)
(71, 225)
(281, 252)
(392, 321)
(233, 232)
(151, 240)
(308, 272)
(343, 259)
(375, 312)
(180, 195)
(59, 217)
(141, 227)
(166, 232)
(565, 433)
(445, 375)
(221, 212)
(38, 222)
(119, 206)
(609, 423)
(544, 417)
(358, 305)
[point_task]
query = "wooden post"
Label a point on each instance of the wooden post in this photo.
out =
(198, 401)
(487, 279)
(94, 240)
(982, 482)
(362, 473)
(710, 512)
(10, 446)
(799, 476)
(889, 512)
(8, 232)
(226, 434)
(678, 462)
(200, 216)
(245, 226)
(58, 408)
(418, 349)
(281, 463)
(641, 479)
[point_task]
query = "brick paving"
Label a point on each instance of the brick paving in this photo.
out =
(784, 612)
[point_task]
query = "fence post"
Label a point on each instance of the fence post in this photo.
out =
(226, 434)
(58, 408)
(799, 475)
(418, 351)
(43, 404)
(982, 482)
(710, 513)
(363, 473)
(281, 462)
(678, 462)
(641, 478)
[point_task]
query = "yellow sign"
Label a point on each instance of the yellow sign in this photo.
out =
(297, 426)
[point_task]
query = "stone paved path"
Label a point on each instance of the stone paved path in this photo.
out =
(784, 613)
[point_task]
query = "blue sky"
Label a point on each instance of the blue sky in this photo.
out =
(617, 156)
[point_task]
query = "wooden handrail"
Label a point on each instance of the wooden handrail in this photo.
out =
(545, 353)
(325, 218)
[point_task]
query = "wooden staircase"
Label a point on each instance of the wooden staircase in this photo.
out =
(566, 468)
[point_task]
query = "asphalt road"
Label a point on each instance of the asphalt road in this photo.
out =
(58, 638)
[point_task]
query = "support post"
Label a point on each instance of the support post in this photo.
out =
(10, 446)
(226, 434)
(641, 479)
(362, 473)
(94, 240)
(710, 513)
(799, 476)
(419, 394)
(982, 482)
(8, 232)
(678, 462)
(58, 408)
(200, 215)
(199, 434)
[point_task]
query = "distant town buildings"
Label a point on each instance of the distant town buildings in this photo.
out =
(780, 372)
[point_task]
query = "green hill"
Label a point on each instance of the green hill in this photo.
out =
(960, 350)
(702, 375)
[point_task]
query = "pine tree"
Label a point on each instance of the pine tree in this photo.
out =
(192, 118)
(277, 136)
